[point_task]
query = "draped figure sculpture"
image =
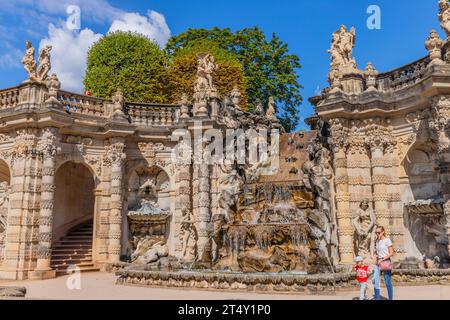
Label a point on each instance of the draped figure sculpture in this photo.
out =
(364, 223)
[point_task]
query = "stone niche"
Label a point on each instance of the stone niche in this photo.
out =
(148, 216)
(424, 211)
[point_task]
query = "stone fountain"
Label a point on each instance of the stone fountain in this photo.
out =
(285, 225)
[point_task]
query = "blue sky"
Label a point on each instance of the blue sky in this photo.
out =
(304, 24)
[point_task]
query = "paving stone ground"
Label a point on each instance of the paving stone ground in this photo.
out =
(100, 285)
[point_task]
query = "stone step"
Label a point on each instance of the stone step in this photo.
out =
(66, 245)
(60, 273)
(76, 236)
(74, 241)
(71, 257)
(70, 261)
(75, 248)
(79, 265)
(71, 251)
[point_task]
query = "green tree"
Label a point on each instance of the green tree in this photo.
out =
(269, 68)
(131, 62)
(183, 70)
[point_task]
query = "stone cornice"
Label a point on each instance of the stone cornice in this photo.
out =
(435, 81)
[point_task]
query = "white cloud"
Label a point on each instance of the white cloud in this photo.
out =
(70, 47)
(154, 26)
(69, 54)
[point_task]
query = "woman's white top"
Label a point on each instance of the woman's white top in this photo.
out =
(382, 247)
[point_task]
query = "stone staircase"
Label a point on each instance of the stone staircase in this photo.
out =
(75, 248)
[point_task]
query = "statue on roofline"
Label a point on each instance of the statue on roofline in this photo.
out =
(34, 72)
(341, 51)
(444, 16)
(28, 61)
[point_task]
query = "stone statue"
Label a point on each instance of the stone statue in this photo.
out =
(188, 236)
(341, 51)
(236, 97)
(28, 61)
(371, 77)
(205, 71)
(149, 251)
(44, 63)
(217, 236)
(118, 100)
(364, 223)
(229, 186)
(434, 46)
(228, 114)
(317, 176)
(259, 108)
(444, 16)
(271, 112)
(4, 205)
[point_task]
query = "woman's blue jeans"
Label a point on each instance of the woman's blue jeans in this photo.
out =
(387, 280)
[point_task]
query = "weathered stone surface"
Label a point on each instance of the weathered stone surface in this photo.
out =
(13, 292)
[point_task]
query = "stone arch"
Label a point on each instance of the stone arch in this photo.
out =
(146, 182)
(137, 176)
(424, 214)
(74, 197)
(80, 161)
(422, 172)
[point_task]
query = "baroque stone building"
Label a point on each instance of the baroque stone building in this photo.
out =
(91, 182)
(390, 144)
(86, 181)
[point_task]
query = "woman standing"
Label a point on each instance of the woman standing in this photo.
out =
(383, 263)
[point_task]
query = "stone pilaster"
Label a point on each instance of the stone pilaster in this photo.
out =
(386, 185)
(202, 210)
(343, 207)
(47, 150)
(183, 201)
(21, 241)
(115, 157)
(342, 196)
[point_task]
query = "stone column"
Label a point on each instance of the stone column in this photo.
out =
(183, 201)
(394, 214)
(343, 207)
(339, 138)
(21, 242)
(202, 210)
(380, 194)
(47, 148)
(116, 156)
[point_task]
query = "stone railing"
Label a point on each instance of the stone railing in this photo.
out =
(403, 77)
(77, 103)
(152, 114)
(9, 98)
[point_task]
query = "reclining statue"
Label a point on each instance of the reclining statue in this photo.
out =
(149, 251)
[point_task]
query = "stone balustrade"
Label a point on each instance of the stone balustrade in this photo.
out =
(9, 98)
(152, 114)
(77, 103)
(403, 77)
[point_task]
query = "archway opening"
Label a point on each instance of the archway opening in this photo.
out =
(74, 198)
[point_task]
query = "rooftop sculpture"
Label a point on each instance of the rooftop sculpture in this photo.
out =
(35, 73)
